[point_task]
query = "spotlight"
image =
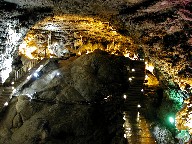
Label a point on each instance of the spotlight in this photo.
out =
(58, 74)
(36, 74)
(171, 120)
(130, 79)
(139, 106)
(6, 104)
(125, 96)
(133, 70)
(28, 77)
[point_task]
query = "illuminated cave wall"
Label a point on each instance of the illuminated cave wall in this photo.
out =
(152, 25)
(12, 39)
(66, 33)
(161, 28)
(15, 22)
(10, 36)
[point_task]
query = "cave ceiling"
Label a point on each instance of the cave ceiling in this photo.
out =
(161, 27)
(74, 33)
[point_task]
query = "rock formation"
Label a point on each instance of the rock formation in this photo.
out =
(67, 105)
(162, 28)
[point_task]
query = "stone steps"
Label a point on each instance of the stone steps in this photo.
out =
(136, 127)
(134, 93)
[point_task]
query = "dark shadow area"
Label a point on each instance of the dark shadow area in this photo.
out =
(125, 9)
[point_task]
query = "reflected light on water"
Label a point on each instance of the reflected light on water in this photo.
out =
(137, 129)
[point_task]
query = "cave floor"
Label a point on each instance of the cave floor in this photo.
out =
(137, 128)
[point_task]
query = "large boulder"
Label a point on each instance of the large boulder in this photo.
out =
(65, 105)
(90, 77)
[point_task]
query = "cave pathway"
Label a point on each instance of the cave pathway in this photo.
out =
(15, 82)
(136, 127)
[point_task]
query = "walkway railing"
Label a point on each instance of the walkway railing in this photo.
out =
(23, 70)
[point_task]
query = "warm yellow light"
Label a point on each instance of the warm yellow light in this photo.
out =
(149, 67)
(79, 53)
(126, 55)
(135, 57)
(27, 47)
(151, 80)
(37, 41)
(29, 52)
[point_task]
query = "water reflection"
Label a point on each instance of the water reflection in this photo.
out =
(136, 128)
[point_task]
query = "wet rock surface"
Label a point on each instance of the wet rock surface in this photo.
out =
(69, 108)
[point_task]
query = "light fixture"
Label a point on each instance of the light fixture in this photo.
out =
(12, 83)
(36, 74)
(142, 90)
(133, 70)
(125, 96)
(58, 74)
(6, 104)
(139, 106)
(130, 79)
(14, 91)
(28, 77)
(171, 120)
(13, 88)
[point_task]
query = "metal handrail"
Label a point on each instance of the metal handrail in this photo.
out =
(23, 70)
